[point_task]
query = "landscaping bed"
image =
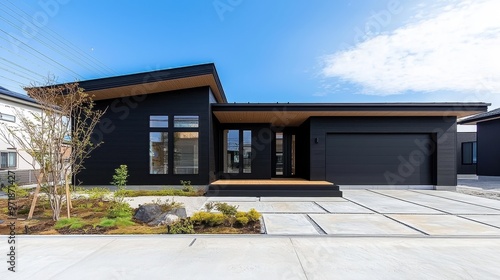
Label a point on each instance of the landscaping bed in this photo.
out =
(94, 212)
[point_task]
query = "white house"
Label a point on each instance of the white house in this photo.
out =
(14, 158)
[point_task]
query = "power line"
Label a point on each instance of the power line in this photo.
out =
(62, 40)
(49, 46)
(17, 65)
(3, 31)
(17, 82)
(17, 74)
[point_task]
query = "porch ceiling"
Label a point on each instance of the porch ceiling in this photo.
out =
(294, 115)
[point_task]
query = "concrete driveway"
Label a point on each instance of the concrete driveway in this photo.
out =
(407, 213)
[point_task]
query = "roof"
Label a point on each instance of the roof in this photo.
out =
(294, 114)
(15, 95)
(487, 116)
(156, 81)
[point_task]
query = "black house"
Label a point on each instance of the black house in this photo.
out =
(488, 139)
(177, 124)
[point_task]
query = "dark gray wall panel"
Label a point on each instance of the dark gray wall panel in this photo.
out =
(125, 132)
(488, 148)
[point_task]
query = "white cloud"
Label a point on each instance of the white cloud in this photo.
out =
(454, 50)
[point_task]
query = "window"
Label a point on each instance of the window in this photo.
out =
(8, 160)
(6, 117)
(185, 152)
(158, 153)
(247, 151)
(186, 121)
(469, 153)
(158, 121)
(232, 151)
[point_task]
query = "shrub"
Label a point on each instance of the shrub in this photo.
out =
(207, 218)
(186, 186)
(209, 206)
(72, 223)
(119, 210)
(168, 205)
(119, 222)
(253, 215)
(243, 220)
(19, 192)
(226, 209)
(164, 192)
(183, 226)
(97, 193)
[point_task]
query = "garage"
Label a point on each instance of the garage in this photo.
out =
(380, 159)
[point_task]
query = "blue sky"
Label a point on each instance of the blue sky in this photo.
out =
(266, 51)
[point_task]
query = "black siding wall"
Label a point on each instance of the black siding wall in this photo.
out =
(488, 148)
(125, 132)
(463, 137)
(444, 130)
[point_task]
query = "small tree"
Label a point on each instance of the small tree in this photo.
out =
(120, 177)
(58, 138)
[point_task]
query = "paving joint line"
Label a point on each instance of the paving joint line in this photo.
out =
(298, 258)
(472, 220)
(448, 213)
(317, 204)
(316, 226)
(404, 224)
(452, 199)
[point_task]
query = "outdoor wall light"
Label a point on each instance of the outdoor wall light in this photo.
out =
(316, 140)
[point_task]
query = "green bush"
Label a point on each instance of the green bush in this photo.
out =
(183, 226)
(72, 223)
(207, 218)
(243, 220)
(253, 215)
(119, 222)
(226, 209)
(168, 205)
(119, 210)
(186, 186)
(19, 192)
(164, 192)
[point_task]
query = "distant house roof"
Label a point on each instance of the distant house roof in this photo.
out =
(486, 116)
(9, 93)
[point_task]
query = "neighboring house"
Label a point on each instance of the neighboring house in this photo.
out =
(488, 139)
(177, 124)
(14, 158)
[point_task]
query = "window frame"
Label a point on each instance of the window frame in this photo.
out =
(473, 151)
(8, 155)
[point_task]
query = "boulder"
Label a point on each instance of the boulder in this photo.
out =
(147, 212)
(179, 212)
(164, 219)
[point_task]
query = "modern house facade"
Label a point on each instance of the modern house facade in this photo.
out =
(488, 139)
(177, 124)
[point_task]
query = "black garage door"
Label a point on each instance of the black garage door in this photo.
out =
(379, 159)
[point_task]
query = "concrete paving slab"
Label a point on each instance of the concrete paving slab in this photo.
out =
(360, 224)
(481, 201)
(344, 207)
(493, 220)
(397, 258)
(384, 204)
(443, 204)
(278, 207)
(446, 225)
(288, 224)
(338, 199)
(191, 203)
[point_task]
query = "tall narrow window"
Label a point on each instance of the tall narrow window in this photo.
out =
(469, 153)
(232, 151)
(247, 151)
(158, 152)
(279, 153)
(185, 152)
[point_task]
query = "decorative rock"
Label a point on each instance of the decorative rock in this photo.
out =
(179, 212)
(147, 212)
(164, 219)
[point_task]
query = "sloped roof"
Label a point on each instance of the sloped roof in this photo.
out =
(486, 116)
(16, 95)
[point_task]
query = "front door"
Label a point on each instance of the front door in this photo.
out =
(237, 159)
